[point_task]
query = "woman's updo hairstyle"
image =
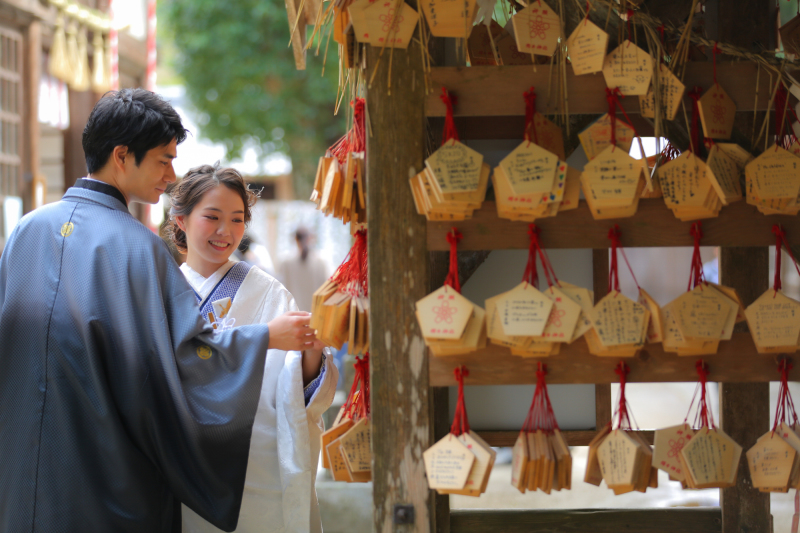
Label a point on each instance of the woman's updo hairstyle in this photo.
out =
(196, 183)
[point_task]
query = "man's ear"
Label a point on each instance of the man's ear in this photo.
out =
(119, 155)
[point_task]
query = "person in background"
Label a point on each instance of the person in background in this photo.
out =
(210, 209)
(256, 254)
(305, 271)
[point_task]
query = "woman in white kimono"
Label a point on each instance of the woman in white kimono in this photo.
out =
(210, 208)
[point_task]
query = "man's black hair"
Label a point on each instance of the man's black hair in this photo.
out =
(136, 118)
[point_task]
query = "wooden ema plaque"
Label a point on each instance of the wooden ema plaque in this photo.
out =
(519, 463)
(444, 314)
(377, 23)
(612, 179)
(621, 461)
(619, 321)
(448, 464)
(587, 48)
(479, 44)
(449, 18)
(593, 474)
(774, 322)
(773, 181)
(724, 175)
(563, 318)
(740, 156)
(687, 189)
(435, 205)
(789, 434)
(537, 29)
(455, 167)
(523, 311)
(509, 53)
(717, 113)
(478, 478)
(671, 93)
(474, 337)
(655, 329)
(547, 134)
(770, 462)
(597, 137)
(494, 327)
(668, 443)
(704, 314)
(584, 298)
(530, 169)
(711, 459)
(564, 195)
(356, 444)
(628, 68)
(674, 340)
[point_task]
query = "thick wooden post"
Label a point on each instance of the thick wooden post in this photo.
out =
(744, 407)
(32, 73)
(398, 263)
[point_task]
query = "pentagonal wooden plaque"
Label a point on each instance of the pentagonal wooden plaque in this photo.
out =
(773, 175)
(671, 93)
(377, 23)
(597, 137)
(547, 134)
(537, 29)
(524, 310)
(717, 113)
(737, 153)
(667, 446)
(711, 458)
(774, 321)
(448, 463)
(724, 175)
(356, 444)
(628, 68)
(770, 461)
(684, 181)
(617, 457)
(456, 167)
(619, 320)
(702, 313)
(444, 314)
(448, 18)
(519, 463)
(584, 298)
(655, 328)
(563, 317)
(612, 178)
(587, 48)
(530, 169)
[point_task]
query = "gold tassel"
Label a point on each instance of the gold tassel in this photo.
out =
(82, 79)
(58, 66)
(72, 53)
(99, 63)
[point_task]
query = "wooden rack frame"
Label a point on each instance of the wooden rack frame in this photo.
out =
(409, 387)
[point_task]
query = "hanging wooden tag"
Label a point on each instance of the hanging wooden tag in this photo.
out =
(376, 23)
(524, 310)
(494, 327)
(448, 463)
(628, 68)
(519, 463)
(774, 322)
(587, 48)
(584, 298)
(509, 53)
(547, 134)
(563, 458)
(612, 178)
(444, 314)
(789, 434)
(563, 317)
(617, 458)
(479, 44)
(684, 181)
(449, 19)
(773, 176)
(655, 329)
(734, 296)
(717, 113)
(530, 169)
(711, 458)
(572, 190)
(737, 153)
(556, 193)
(594, 475)
(474, 337)
(597, 138)
(456, 167)
(339, 469)
(356, 446)
(537, 29)
(619, 320)
(330, 435)
(481, 468)
(671, 90)
(668, 443)
(770, 461)
(724, 175)
(702, 313)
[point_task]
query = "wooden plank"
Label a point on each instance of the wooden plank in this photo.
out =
(744, 407)
(398, 261)
(736, 362)
(574, 437)
(653, 225)
(589, 521)
(440, 409)
(497, 91)
(602, 392)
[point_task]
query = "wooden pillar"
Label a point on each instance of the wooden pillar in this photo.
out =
(602, 392)
(32, 73)
(399, 276)
(744, 407)
(80, 105)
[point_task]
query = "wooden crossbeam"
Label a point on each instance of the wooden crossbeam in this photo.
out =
(574, 437)
(736, 362)
(587, 521)
(653, 224)
(497, 91)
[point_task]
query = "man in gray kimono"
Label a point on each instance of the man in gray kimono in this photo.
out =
(117, 401)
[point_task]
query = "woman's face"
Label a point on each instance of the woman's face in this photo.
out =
(213, 229)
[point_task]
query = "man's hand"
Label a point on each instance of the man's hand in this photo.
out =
(290, 331)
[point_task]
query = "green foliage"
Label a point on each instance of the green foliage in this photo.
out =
(240, 76)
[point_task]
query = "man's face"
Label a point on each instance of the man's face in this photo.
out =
(147, 181)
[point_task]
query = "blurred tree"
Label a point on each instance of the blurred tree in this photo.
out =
(240, 76)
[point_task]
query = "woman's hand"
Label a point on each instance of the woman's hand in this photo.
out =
(290, 331)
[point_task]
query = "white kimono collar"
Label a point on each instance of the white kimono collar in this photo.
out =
(203, 286)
